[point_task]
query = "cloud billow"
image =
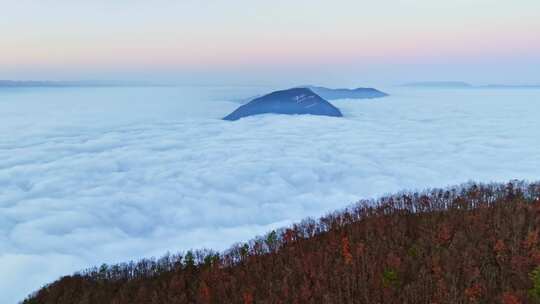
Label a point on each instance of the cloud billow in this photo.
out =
(69, 200)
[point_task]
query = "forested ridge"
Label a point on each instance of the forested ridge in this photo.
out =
(476, 243)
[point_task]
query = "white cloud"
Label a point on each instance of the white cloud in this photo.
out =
(112, 182)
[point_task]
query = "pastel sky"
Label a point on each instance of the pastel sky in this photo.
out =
(241, 41)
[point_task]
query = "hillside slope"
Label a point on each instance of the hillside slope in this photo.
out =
(468, 244)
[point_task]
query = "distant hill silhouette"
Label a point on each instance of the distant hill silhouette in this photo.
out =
(68, 84)
(358, 93)
(512, 86)
(465, 85)
(438, 84)
(292, 101)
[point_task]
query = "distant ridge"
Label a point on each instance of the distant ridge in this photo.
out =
(340, 93)
(512, 86)
(64, 84)
(438, 84)
(292, 101)
(465, 85)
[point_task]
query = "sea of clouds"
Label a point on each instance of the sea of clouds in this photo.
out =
(105, 175)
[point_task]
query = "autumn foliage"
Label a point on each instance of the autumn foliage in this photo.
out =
(468, 244)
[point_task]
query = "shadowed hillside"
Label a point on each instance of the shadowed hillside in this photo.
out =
(468, 244)
(292, 102)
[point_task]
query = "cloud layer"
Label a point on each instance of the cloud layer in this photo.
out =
(121, 178)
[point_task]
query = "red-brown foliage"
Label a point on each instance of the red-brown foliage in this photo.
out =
(471, 244)
(508, 298)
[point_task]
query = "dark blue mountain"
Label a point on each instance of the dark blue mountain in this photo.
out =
(292, 101)
(358, 93)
